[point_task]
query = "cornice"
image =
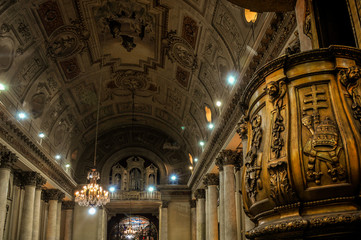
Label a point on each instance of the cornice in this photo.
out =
(25, 146)
(281, 27)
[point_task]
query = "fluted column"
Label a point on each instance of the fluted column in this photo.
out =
(230, 159)
(68, 207)
(200, 196)
(192, 204)
(40, 181)
(163, 226)
(212, 181)
(58, 219)
(219, 164)
(6, 161)
(53, 196)
(27, 216)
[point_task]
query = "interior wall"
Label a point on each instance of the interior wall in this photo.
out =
(179, 220)
(85, 225)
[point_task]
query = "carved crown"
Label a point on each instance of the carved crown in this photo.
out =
(326, 136)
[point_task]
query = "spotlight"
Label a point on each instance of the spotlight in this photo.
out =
(150, 189)
(210, 126)
(41, 135)
(22, 115)
(173, 177)
(2, 87)
(67, 165)
(231, 79)
(92, 211)
(190, 167)
(218, 103)
(112, 189)
(201, 143)
(196, 160)
(183, 127)
(57, 157)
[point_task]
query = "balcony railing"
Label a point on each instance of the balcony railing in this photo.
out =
(135, 195)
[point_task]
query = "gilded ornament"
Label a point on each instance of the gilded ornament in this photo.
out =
(350, 79)
(276, 92)
(242, 127)
(253, 168)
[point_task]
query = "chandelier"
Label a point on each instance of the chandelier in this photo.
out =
(93, 194)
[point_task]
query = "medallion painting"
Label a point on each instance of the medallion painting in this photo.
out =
(129, 30)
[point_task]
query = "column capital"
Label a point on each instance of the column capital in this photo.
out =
(68, 205)
(193, 203)
(30, 178)
(40, 181)
(165, 204)
(200, 193)
(7, 158)
(54, 194)
(230, 157)
(212, 179)
(219, 163)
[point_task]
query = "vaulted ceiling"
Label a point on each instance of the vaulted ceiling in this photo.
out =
(173, 57)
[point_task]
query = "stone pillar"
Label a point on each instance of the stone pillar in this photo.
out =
(201, 221)
(53, 195)
(163, 221)
(229, 159)
(212, 181)
(58, 219)
(237, 197)
(102, 224)
(40, 181)
(193, 204)
(219, 164)
(68, 207)
(27, 216)
(7, 159)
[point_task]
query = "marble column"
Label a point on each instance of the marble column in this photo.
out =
(206, 201)
(163, 226)
(6, 161)
(192, 204)
(40, 181)
(53, 197)
(212, 181)
(58, 219)
(68, 208)
(27, 216)
(238, 200)
(219, 164)
(230, 159)
(201, 221)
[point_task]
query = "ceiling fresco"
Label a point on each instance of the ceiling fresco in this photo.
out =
(173, 57)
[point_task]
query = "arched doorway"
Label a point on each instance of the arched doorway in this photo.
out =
(132, 227)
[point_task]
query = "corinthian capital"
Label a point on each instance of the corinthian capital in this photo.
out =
(54, 194)
(212, 179)
(40, 181)
(7, 158)
(30, 178)
(200, 193)
(230, 157)
(68, 205)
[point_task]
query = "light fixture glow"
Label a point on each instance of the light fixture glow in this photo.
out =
(22, 115)
(150, 189)
(173, 177)
(210, 126)
(92, 211)
(183, 127)
(196, 160)
(41, 135)
(218, 103)
(201, 143)
(231, 79)
(2, 87)
(57, 157)
(67, 165)
(112, 189)
(190, 167)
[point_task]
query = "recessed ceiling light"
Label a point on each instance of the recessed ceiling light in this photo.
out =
(218, 103)
(201, 143)
(57, 156)
(41, 135)
(231, 79)
(210, 126)
(196, 160)
(22, 115)
(67, 165)
(190, 167)
(2, 87)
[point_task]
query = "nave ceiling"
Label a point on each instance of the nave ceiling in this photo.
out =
(174, 56)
